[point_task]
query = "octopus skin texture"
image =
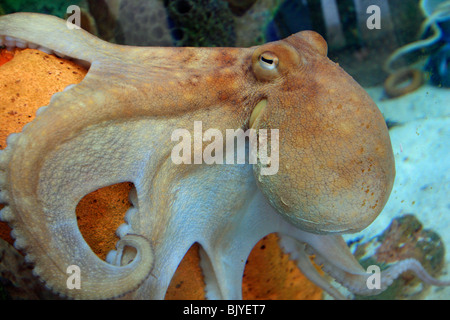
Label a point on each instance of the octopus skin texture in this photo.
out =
(336, 166)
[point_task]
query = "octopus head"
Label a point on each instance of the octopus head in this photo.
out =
(335, 165)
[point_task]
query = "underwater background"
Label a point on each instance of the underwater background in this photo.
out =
(399, 52)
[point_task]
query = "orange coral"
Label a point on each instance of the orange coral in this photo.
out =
(5, 56)
(27, 82)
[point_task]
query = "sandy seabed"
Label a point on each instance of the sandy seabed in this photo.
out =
(421, 143)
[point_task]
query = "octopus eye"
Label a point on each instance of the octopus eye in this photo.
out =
(268, 60)
(265, 63)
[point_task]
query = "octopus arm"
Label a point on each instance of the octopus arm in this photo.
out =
(332, 253)
(46, 169)
(34, 28)
(44, 172)
(228, 236)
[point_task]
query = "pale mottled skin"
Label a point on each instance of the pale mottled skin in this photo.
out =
(336, 166)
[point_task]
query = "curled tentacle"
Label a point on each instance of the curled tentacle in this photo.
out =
(347, 271)
(360, 283)
(41, 196)
(46, 227)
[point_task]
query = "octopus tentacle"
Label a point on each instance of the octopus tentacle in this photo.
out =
(123, 256)
(212, 290)
(54, 243)
(31, 30)
(223, 281)
(358, 282)
(411, 265)
(297, 251)
(223, 262)
(223, 267)
(31, 188)
(345, 268)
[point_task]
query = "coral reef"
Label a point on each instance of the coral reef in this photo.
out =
(404, 238)
(207, 23)
(133, 22)
(239, 7)
(16, 278)
(251, 27)
(105, 20)
(142, 23)
(24, 92)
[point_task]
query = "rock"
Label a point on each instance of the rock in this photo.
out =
(202, 23)
(137, 23)
(16, 279)
(404, 238)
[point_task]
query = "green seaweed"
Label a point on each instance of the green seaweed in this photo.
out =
(55, 7)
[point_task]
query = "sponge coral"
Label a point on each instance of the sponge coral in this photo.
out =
(205, 23)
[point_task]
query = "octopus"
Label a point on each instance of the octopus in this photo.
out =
(334, 174)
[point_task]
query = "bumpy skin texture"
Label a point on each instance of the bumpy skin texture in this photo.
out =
(336, 166)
